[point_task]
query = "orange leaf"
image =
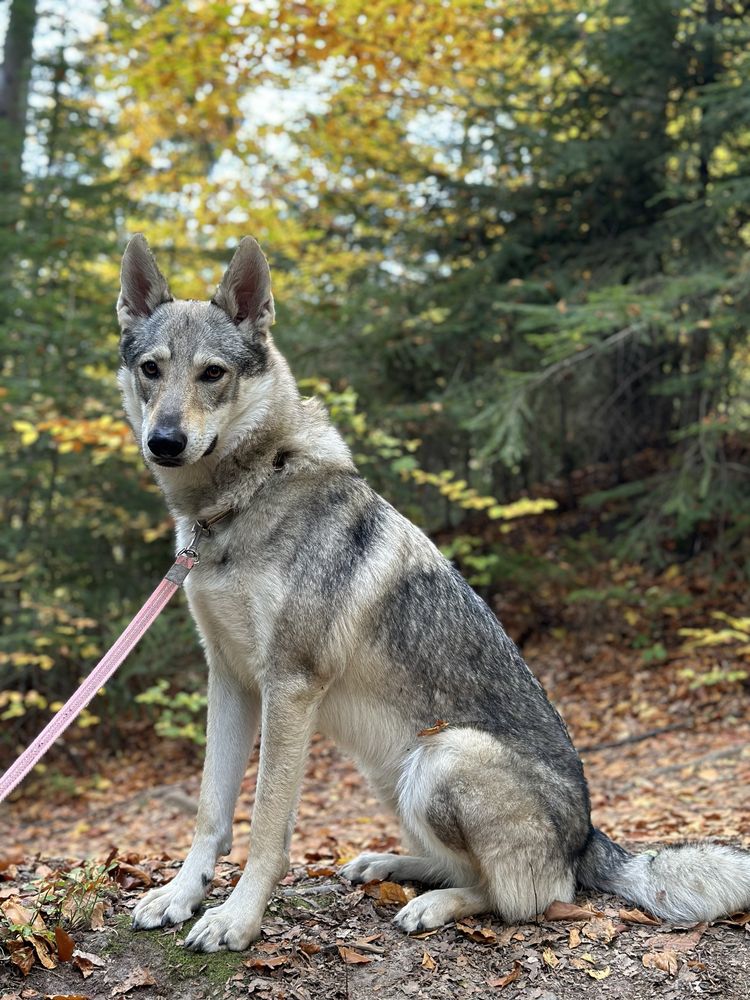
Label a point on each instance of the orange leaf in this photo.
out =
(484, 935)
(600, 929)
(84, 965)
(65, 944)
(97, 916)
(428, 962)
(504, 981)
(43, 951)
(666, 961)
(387, 892)
(15, 912)
(569, 911)
(352, 957)
(439, 726)
(678, 941)
(637, 917)
(21, 955)
(309, 947)
(272, 962)
(140, 976)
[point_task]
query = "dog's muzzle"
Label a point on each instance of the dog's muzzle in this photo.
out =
(167, 445)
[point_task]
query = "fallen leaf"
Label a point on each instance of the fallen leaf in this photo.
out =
(84, 966)
(737, 919)
(583, 961)
(86, 962)
(599, 973)
(97, 916)
(309, 947)
(272, 962)
(428, 962)
(483, 935)
(15, 912)
(314, 871)
(138, 977)
(127, 875)
(506, 935)
(439, 726)
(65, 944)
(679, 941)
(21, 955)
(43, 950)
(550, 958)
(64, 996)
(666, 961)
(569, 911)
(637, 917)
(574, 937)
(352, 957)
(600, 929)
(510, 977)
(388, 892)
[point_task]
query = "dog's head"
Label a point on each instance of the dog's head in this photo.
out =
(193, 372)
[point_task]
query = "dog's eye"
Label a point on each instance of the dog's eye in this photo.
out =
(150, 369)
(213, 373)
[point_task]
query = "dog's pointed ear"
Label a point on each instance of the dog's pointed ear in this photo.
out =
(142, 285)
(244, 293)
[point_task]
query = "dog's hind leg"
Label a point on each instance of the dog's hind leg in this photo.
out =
(480, 812)
(233, 715)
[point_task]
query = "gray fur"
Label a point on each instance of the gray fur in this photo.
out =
(321, 607)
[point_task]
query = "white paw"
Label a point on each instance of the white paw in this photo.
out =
(367, 867)
(423, 913)
(223, 927)
(169, 904)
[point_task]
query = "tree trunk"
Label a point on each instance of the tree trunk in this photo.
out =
(14, 81)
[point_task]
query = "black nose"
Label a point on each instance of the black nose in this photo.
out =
(167, 443)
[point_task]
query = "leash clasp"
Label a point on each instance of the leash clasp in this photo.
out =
(200, 529)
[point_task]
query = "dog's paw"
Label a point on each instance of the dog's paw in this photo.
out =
(167, 905)
(424, 913)
(223, 927)
(368, 866)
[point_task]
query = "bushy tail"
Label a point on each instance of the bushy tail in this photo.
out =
(685, 883)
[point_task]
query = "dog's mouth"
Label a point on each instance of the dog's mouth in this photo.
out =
(211, 446)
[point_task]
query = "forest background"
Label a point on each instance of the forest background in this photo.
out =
(510, 242)
(511, 250)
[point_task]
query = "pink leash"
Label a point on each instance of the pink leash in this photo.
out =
(110, 661)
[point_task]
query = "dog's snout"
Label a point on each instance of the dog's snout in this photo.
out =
(167, 442)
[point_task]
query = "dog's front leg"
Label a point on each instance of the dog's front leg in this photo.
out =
(233, 714)
(288, 718)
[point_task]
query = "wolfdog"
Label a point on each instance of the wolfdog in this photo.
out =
(321, 608)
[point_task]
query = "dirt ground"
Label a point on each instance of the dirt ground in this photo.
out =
(324, 939)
